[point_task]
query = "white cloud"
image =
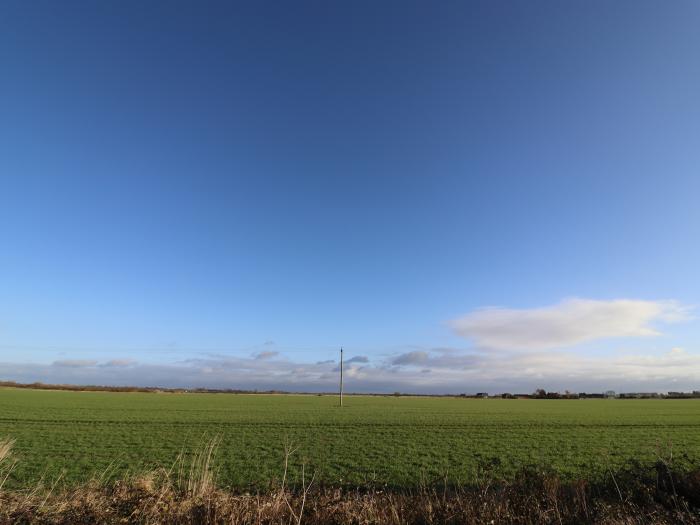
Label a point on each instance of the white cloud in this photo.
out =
(566, 324)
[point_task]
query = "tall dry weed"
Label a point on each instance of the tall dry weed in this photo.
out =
(7, 462)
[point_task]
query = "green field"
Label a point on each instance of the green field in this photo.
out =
(397, 441)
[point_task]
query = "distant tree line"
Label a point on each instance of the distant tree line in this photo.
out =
(540, 393)
(104, 388)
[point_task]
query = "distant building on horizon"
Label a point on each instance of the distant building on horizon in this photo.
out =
(639, 395)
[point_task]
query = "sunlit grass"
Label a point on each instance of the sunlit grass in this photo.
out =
(371, 441)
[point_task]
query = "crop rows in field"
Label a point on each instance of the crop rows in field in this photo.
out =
(372, 440)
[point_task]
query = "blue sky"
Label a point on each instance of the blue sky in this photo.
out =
(196, 193)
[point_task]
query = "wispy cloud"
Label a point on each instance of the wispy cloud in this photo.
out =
(358, 359)
(266, 355)
(74, 363)
(566, 324)
(119, 362)
(437, 358)
(416, 357)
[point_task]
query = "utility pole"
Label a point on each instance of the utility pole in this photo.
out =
(341, 376)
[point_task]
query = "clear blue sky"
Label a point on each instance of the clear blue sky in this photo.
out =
(187, 183)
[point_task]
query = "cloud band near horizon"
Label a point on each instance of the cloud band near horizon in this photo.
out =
(516, 351)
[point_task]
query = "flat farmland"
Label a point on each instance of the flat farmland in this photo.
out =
(397, 441)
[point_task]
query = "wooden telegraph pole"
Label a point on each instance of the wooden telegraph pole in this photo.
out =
(341, 376)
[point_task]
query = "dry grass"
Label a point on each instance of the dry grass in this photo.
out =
(187, 493)
(7, 464)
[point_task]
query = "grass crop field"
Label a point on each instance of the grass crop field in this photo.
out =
(399, 441)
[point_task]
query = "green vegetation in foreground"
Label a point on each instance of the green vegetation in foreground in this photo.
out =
(398, 441)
